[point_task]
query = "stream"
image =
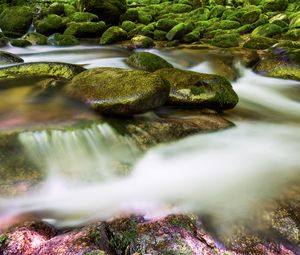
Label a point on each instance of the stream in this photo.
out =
(225, 174)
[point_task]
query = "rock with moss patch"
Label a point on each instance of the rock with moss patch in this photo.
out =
(141, 41)
(159, 35)
(85, 29)
(62, 40)
(35, 38)
(112, 35)
(147, 61)
(273, 67)
(166, 24)
(21, 43)
(130, 15)
(9, 58)
(259, 43)
(119, 91)
(51, 24)
(16, 19)
(41, 68)
(84, 17)
(128, 25)
(199, 90)
(267, 30)
(226, 40)
(56, 8)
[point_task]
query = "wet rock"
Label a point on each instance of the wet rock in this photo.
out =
(16, 19)
(84, 17)
(108, 10)
(119, 91)
(177, 32)
(9, 58)
(62, 40)
(147, 61)
(112, 35)
(51, 24)
(21, 43)
(41, 68)
(267, 30)
(199, 90)
(56, 8)
(142, 41)
(35, 38)
(259, 43)
(85, 29)
(226, 40)
(273, 67)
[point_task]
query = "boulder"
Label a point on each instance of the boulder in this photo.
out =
(108, 10)
(198, 90)
(226, 40)
(62, 40)
(119, 91)
(141, 41)
(85, 29)
(112, 35)
(9, 58)
(51, 24)
(147, 61)
(21, 43)
(259, 43)
(16, 19)
(35, 38)
(84, 17)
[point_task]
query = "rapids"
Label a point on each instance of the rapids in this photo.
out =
(223, 174)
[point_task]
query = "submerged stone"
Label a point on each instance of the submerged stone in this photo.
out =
(199, 90)
(41, 68)
(119, 91)
(16, 19)
(147, 61)
(9, 58)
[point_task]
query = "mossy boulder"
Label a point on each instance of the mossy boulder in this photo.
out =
(84, 17)
(108, 10)
(131, 15)
(147, 61)
(128, 25)
(16, 19)
(177, 8)
(145, 17)
(62, 40)
(9, 58)
(177, 32)
(295, 21)
(166, 24)
(35, 38)
(192, 36)
(51, 24)
(274, 67)
(226, 40)
(292, 34)
(21, 43)
(56, 8)
(267, 30)
(85, 29)
(41, 68)
(69, 9)
(198, 90)
(259, 43)
(119, 91)
(159, 35)
(141, 41)
(274, 5)
(112, 35)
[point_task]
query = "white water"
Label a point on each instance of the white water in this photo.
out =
(223, 174)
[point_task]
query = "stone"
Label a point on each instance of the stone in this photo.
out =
(274, 5)
(226, 40)
(35, 38)
(112, 35)
(267, 30)
(84, 17)
(116, 91)
(51, 24)
(198, 90)
(9, 58)
(147, 61)
(16, 19)
(141, 41)
(177, 32)
(85, 29)
(259, 43)
(20, 43)
(62, 40)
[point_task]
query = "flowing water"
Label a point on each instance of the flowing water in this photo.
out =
(223, 174)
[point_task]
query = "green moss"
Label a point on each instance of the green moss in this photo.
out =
(141, 41)
(274, 5)
(259, 42)
(84, 17)
(267, 30)
(20, 43)
(130, 15)
(51, 24)
(147, 61)
(159, 35)
(177, 32)
(166, 24)
(113, 34)
(62, 40)
(128, 25)
(226, 40)
(85, 29)
(3, 241)
(35, 38)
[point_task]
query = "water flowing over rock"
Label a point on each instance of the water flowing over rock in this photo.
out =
(119, 91)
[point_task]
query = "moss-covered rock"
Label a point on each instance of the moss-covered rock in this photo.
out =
(292, 34)
(41, 68)
(159, 35)
(128, 25)
(295, 21)
(119, 91)
(16, 19)
(85, 29)
(108, 10)
(259, 43)
(225, 25)
(51, 24)
(274, 5)
(177, 8)
(226, 40)
(113, 34)
(177, 32)
(21, 43)
(84, 17)
(141, 41)
(199, 90)
(35, 38)
(69, 9)
(56, 8)
(62, 40)
(131, 15)
(267, 30)
(192, 36)
(273, 67)
(147, 61)
(9, 58)
(166, 24)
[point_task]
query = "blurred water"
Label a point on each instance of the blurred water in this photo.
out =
(224, 174)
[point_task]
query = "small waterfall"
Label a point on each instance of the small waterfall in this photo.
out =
(31, 28)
